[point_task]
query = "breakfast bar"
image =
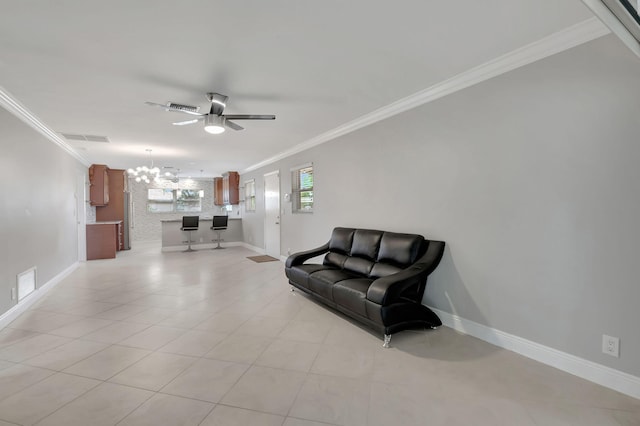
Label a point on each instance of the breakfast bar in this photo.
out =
(173, 239)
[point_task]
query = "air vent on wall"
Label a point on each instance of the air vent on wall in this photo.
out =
(87, 138)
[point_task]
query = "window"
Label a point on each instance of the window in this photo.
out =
(302, 189)
(250, 196)
(164, 200)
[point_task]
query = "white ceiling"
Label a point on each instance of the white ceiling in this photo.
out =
(87, 67)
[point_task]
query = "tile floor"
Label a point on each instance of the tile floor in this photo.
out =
(212, 338)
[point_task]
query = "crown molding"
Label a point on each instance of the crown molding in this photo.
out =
(13, 106)
(610, 20)
(560, 41)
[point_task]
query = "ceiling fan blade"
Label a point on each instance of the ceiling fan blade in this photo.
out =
(171, 106)
(250, 117)
(232, 125)
(183, 123)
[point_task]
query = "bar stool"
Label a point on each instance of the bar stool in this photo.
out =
(219, 224)
(189, 224)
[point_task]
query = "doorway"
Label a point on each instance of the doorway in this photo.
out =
(272, 214)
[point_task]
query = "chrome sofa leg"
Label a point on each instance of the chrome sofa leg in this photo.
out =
(387, 340)
(292, 289)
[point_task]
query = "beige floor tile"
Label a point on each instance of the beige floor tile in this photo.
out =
(194, 343)
(152, 315)
(558, 414)
(344, 362)
(185, 319)
(347, 334)
(6, 364)
(289, 355)
(9, 336)
(262, 327)
(403, 404)
(333, 400)
(107, 362)
(222, 322)
(41, 399)
(92, 308)
(206, 380)
(223, 415)
(81, 327)
(31, 346)
(16, 378)
(395, 366)
(163, 409)
(121, 313)
(627, 418)
(154, 371)
(238, 348)
(306, 331)
(115, 332)
(66, 355)
(153, 337)
(292, 421)
(105, 405)
(266, 389)
(42, 321)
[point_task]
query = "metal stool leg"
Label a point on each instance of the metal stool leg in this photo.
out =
(218, 247)
(189, 247)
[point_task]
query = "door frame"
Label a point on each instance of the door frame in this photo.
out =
(278, 233)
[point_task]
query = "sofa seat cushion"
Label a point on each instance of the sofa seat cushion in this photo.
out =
(352, 294)
(322, 282)
(300, 273)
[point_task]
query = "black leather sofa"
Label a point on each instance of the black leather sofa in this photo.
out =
(373, 276)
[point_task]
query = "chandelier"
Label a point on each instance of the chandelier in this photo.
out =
(145, 174)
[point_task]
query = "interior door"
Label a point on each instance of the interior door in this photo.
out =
(272, 214)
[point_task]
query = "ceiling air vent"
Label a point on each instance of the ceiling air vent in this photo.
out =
(86, 138)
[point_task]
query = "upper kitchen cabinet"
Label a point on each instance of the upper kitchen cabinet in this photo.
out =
(230, 188)
(226, 189)
(217, 192)
(99, 185)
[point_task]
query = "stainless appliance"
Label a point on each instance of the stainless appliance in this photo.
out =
(127, 221)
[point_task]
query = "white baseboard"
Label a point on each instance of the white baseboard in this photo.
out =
(27, 302)
(597, 373)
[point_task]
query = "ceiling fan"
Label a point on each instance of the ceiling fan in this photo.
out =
(214, 121)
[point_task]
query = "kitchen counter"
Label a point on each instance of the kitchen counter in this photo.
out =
(202, 219)
(174, 239)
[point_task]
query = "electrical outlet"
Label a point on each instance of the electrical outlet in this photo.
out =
(611, 345)
(289, 252)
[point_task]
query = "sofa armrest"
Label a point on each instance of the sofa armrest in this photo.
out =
(302, 256)
(388, 288)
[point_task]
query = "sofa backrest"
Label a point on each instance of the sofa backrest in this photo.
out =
(373, 253)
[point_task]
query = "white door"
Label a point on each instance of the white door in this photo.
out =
(272, 214)
(81, 216)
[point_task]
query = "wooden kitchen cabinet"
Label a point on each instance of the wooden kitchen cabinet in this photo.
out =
(98, 185)
(103, 239)
(115, 210)
(230, 188)
(217, 192)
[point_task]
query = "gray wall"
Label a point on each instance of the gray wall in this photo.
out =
(38, 208)
(531, 178)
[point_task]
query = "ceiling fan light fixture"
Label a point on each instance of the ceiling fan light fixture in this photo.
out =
(214, 124)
